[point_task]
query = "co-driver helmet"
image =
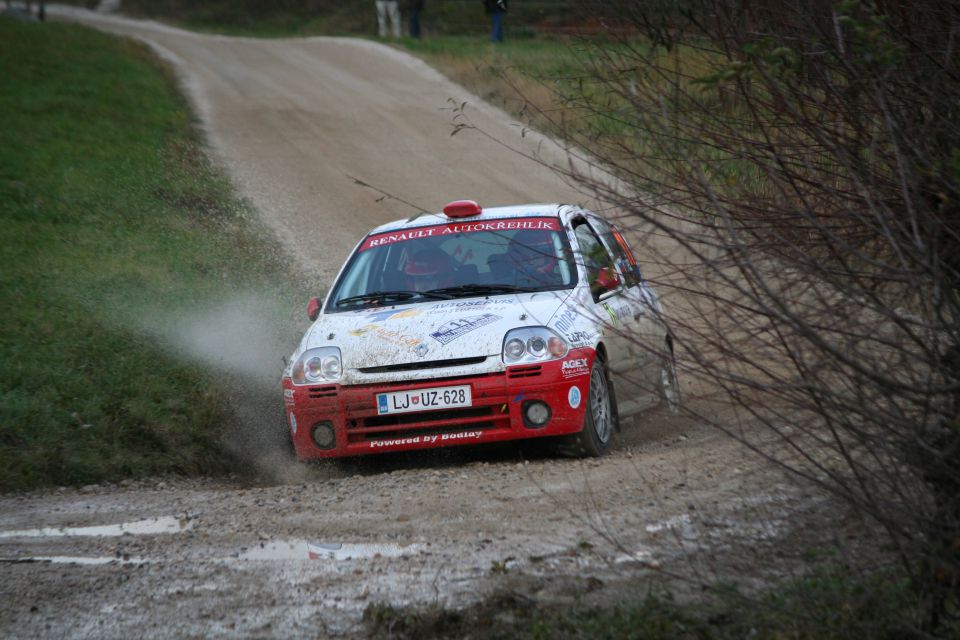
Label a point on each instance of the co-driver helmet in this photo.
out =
(533, 250)
(428, 269)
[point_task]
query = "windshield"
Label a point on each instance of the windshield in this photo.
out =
(454, 260)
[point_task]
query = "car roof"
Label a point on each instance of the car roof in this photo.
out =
(493, 213)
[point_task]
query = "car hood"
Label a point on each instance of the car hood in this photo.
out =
(430, 331)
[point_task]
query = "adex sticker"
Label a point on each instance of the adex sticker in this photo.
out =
(573, 397)
(293, 425)
(574, 367)
(455, 328)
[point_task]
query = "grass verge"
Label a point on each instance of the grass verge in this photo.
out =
(113, 223)
(827, 603)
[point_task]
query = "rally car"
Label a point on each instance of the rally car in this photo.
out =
(480, 325)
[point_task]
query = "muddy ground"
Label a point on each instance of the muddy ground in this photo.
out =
(674, 506)
(303, 551)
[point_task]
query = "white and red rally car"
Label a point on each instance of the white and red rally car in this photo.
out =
(475, 326)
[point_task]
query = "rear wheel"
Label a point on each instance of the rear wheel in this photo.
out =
(599, 422)
(669, 387)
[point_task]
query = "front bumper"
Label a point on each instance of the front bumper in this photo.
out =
(495, 414)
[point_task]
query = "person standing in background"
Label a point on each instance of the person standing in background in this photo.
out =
(495, 9)
(416, 8)
(388, 11)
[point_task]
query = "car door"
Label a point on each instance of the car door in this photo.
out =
(645, 333)
(611, 307)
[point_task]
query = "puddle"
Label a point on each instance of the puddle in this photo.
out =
(164, 524)
(676, 522)
(71, 560)
(303, 550)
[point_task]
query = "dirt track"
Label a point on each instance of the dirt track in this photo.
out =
(295, 121)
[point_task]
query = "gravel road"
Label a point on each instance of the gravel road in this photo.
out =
(296, 122)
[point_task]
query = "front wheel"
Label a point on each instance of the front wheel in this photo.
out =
(599, 422)
(288, 447)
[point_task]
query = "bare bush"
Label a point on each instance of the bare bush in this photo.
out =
(804, 159)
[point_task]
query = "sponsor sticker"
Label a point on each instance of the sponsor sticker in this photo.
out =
(452, 330)
(574, 367)
(383, 316)
(386, 335)
(649, 297)
(427, 439)
(579, 338)
(293, 424)
(464, 305)
(565, 322)
(404, 235)
(614, 316)
(574, 397)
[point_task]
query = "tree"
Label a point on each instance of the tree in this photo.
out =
(806, 159)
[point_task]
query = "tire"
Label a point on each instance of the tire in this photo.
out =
(668, 385)
(599, 421)
(288, 446)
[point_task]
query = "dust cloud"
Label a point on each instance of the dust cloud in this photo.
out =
(242, 342)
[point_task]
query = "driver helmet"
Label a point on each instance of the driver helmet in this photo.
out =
(533, 250)
(428, 269)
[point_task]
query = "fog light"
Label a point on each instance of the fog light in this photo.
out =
(535, 413)
(324, 436)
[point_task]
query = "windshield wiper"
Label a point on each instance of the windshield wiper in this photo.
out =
(384, 296)
(474, 289)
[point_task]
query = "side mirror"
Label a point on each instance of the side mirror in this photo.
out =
(313, 308)
(607, 279)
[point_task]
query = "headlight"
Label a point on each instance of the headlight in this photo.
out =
(537, 347)
(533, 344)
(513, 349)
(317, 365)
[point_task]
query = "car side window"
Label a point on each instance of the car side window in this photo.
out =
(622, 255)
(594, 256)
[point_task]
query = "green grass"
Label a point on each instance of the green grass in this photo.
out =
(111, 220)
(613, 108)
(512, 74)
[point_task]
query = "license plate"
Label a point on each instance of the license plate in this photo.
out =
(424, 399)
